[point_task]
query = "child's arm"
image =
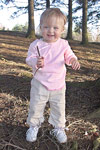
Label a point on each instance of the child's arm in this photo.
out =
(75, 64)
(70, 58)
(31, 59)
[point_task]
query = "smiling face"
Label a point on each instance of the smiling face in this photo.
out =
(51, 29)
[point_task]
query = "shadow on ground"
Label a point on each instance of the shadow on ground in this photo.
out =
(79, 95)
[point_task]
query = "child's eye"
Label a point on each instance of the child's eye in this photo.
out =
(45, 27)
(55, 28)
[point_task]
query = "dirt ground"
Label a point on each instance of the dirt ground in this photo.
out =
(82, 98)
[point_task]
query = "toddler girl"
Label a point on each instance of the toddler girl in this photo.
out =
(47, 57)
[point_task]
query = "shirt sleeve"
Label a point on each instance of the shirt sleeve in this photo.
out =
(69, 54)
(31, 59)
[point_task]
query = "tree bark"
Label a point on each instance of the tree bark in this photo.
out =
(47, 4)
(84, 23)
(69, 33)
(31, 26)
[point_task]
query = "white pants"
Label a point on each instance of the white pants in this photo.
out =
(39, 96)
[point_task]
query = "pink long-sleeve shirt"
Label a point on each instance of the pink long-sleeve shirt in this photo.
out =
(56, 55)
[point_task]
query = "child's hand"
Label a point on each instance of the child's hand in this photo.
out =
(40, 62)
(75, 64)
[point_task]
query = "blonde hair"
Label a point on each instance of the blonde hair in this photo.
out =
(52, 12)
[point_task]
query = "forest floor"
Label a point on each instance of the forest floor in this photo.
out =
(82, 98)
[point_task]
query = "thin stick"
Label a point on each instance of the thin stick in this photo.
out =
(39, 56)
(38, 51)
(36, 71)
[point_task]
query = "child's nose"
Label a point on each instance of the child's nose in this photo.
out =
(50, 29)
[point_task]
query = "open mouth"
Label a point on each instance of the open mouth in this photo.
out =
(50, 35)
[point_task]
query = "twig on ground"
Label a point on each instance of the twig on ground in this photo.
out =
(53, 141)
(74, 123)
(12, 145)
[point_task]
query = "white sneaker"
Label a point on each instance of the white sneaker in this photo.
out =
(31, 134)
(60, 135)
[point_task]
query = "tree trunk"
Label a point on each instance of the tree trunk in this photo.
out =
(31, 27)
(69, 34)
(84, 23)
(47, 4)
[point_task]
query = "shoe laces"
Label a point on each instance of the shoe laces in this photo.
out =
(32, 130)
(58, 131)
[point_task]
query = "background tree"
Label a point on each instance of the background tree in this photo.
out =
(92, 15)
(69, 33)
(31, 26)
(25, 9)
(19, 27)
(83, 4)
(94, 12)
(47, 3)
(84, 23)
